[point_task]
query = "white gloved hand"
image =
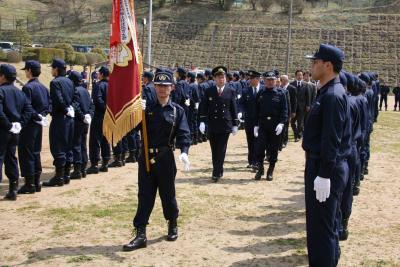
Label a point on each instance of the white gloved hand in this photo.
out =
(240, 115)
(234, 130)
(143, 104)
(43, 121)
(87, 119)
(279, 128)
(71, 112)
(256, 131)
(322, 188)
(16, 128)
(187, 102)
(202, 127)
(184, 158)
(196, 105)
(239, 96)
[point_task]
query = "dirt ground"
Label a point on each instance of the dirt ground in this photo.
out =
(236, 222)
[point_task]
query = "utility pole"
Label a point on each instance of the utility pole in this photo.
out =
(143, 28)
(289, 38)
(150, 28)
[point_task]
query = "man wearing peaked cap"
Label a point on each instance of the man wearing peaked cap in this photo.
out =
(180, 95)
(15, 113)
(65, 102)
(247, 111)
(97, 140)
(203, 85)
(30, 140)
(219, 112)
(194, 107)
(327, 143)
(166, 126)
(272, 113)
(83, 118)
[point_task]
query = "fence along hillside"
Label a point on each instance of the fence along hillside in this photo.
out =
(373, 46)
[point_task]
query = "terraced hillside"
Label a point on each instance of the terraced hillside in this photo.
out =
(372, 46)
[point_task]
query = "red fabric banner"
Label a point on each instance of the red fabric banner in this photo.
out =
(123, 97)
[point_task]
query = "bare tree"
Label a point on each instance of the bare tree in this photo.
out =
(253, 4)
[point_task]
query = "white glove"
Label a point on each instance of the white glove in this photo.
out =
(184, 158)
(143, 104)
(279, 128)
(16, 128)
(202, 127)
(239, 96)
(187, 102)
(196, 105)
(43, 121)
(322, 188)
(256, 131)
(87, 119)
(71, 112)
(234, 130)
(240, 115)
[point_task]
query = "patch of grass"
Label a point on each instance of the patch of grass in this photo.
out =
(80, 259)
(383, 138)
(379, 263)
(31, 207)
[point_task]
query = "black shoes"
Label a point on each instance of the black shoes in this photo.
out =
(140, 241)
(172, 230)
(117, 162)
(12, 191)
(131, 158)
(260, 173)
(344, 233)
(270, 172)
(104, 166)
(93, 169)
(67, 173)
(58, 178)
(77, 173)
(28, 187)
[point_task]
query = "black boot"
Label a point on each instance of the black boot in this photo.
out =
(172, 230)
(260, 172)
(270, 172)
(67, 173)
(104, 166)
(38, 185)
(131, 158)
(356, 190)
(28, 187)
(116, 163)
(344, 233)
(123, 157)
(366, 168)
(12, 191)
(140, 240)
(77, 174)
(93, 169)
(83, 169)
(57, 179)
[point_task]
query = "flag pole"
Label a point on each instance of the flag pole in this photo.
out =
(145, 142)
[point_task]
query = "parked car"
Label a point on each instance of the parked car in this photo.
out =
(7, 46)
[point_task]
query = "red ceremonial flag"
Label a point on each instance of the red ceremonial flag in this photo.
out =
(123, 98)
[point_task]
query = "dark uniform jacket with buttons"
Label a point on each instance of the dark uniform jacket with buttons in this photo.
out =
(369, 94)
(63, 95)
(149, 94)
(247, 104)
(39, 97)
(160, 123)
(86, 105)
(14, 107)
(302, 95)
(385, 90)
(396, 91)
(355, 112)
(271, 108)
(181, 93)
(219, 111)
(327, 133)
(99, 96)
(285, 91)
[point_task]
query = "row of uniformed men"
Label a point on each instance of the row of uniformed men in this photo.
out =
(73, 110)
